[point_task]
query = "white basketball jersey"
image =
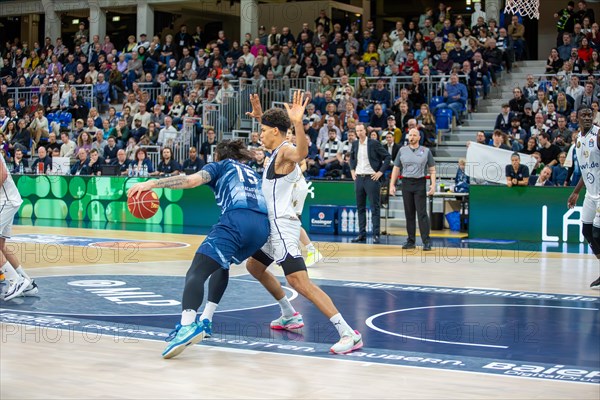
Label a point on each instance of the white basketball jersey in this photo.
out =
(588, 156)
(279, 189)
(9, 193)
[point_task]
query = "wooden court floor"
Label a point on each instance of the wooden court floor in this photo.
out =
(59, 365)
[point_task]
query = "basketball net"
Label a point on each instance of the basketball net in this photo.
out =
(526, 8)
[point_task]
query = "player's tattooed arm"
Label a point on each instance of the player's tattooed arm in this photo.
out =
(184, 181)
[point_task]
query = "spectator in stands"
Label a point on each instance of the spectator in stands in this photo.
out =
(324, 132)
(517, 103)
(503, 119)
(560, 171)
(517, 174)
(426, 125)
(157, 117)
(95, 161)
(517, 32)
(121, 161)
(554, 63)
(548, 151)
(444, 65)
(481, 73)
(138, 130)
(455, 97)
(588, 96)
(500, 140)
(378, 120)
(343, 154)
(517, 135)
(393, 129)
(561, 136)
(39, 127)
(76, 105)
(122, 133)
(109, 150)
(43, 162)
(167, 166)
(194, 162)
(539, 125)
(141, 159)
(348, 114)
(391, 147)
(530, 146)
(328, 155)
(540, 105)
(543, 179)
(52, 145)
(22, 138)
(19, 162)
(84, 141)
(207, 148)
(168, 134)
(564, 50)
(81, 164)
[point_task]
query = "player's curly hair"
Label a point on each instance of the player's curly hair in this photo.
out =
(277, 118)
(233, 149)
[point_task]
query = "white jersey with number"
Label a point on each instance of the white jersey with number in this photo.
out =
(588, 156)
(279, 189)
(9, 193)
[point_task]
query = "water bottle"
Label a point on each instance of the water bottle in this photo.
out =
(356, 223)
(21, 169)
(351, 221)
(344, 221)
(369, 222)
(130, 171)
(145, 171)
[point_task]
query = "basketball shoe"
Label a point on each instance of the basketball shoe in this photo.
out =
(349, 342)
(182, 337)
(30, 290)
(292, 323)
(16, 287)
(313, 257)
(595, 283)
(207, 326)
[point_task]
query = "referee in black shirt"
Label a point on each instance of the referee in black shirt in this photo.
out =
(414, 161)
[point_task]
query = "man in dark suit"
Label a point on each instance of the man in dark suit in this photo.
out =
(391, 147)
(368, 162)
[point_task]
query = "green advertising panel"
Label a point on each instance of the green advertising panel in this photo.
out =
(104, 199)
(524, 213)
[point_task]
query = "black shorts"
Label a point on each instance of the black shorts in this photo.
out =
(289, 265)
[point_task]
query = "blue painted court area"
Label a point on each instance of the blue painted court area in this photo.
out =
(538, 335)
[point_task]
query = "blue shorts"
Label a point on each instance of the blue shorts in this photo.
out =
(238, 234)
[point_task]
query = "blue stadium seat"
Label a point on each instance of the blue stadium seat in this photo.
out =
(443, 118)
(364, 116)
(435, 101)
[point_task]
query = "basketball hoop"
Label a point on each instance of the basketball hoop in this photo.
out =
(526, 8)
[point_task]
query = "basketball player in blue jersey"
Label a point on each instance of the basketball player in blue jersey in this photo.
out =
(587, 148)
(283, 245)
(242, 229)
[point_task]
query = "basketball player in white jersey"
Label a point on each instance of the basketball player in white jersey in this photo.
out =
(283, 245)
(588, 155)
(313, 255)
(10, 201)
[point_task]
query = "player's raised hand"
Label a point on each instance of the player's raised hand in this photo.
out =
(296, 109)
(256, 108)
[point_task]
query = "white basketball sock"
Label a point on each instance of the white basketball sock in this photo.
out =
(287, 309)
(9, 272)
(208, 311)
(188, 317)
(340, 324)
(310, 247)
(22, 272)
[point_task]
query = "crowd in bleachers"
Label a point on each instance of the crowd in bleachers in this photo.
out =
(159, 83)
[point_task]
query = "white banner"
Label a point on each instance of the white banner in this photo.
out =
(487, 163)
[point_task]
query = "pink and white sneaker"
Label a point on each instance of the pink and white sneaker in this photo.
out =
(349, 342)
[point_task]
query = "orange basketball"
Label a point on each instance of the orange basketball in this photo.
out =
(144, 206)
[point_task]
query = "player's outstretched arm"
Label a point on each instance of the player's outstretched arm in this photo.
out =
(296, 113)
(174, 182)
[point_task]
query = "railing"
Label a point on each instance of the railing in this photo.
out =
(86, 92)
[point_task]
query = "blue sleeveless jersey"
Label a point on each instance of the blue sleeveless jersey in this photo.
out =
(236, 186)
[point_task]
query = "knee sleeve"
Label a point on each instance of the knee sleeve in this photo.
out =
(217, 285)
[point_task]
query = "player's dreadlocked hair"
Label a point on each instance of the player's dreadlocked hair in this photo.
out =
(233, 149)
